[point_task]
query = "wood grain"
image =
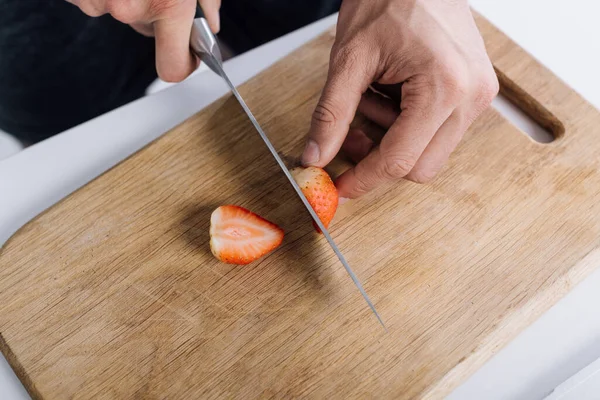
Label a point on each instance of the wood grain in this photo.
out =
(113, 292)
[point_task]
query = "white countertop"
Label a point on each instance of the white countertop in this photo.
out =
(561, 34)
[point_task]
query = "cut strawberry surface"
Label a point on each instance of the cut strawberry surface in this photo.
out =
(320, 191)
(238, 236)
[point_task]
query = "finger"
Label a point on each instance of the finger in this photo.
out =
(211, 11)
(423, 115)
(346, 81)
(378, 109)
(373, 131)
(144, 29)
(368, 127)
(439, 148)
(357, 145)
(174, 61)
(452, 131)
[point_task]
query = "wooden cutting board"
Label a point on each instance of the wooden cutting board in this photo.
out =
(113, 292)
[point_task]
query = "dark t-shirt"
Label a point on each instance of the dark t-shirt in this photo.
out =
(59, 68)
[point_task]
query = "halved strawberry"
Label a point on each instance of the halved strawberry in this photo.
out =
(238, 236)
(321, 193)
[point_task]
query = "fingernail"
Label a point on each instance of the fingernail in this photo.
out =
(311, 153)
(342, 200)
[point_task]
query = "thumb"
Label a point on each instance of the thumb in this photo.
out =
(347, 80)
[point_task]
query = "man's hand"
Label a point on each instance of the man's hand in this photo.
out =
(429, 54)
(170, 21)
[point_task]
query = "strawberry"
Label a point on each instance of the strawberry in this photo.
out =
(238, 236)
(320, 192)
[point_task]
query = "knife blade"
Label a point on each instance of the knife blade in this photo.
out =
(204, 45)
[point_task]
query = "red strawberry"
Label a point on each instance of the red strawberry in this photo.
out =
(238, 236)
(319, 190)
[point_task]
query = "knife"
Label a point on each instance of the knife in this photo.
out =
(204, 44)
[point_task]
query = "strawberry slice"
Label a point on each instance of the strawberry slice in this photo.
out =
(238, 236)
(321, 193)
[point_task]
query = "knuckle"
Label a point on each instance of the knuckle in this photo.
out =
(348, 59)
(488, 89)
(453, 79)
(398, 166)
(345, 54)
(421, 175)
(160, 7)
(361, 188)
(363, 183)
(419, 93)
(454, 86)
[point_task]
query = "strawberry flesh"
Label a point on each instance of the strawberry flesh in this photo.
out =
(238, 236)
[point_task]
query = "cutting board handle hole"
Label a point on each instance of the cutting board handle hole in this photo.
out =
(525, 112)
